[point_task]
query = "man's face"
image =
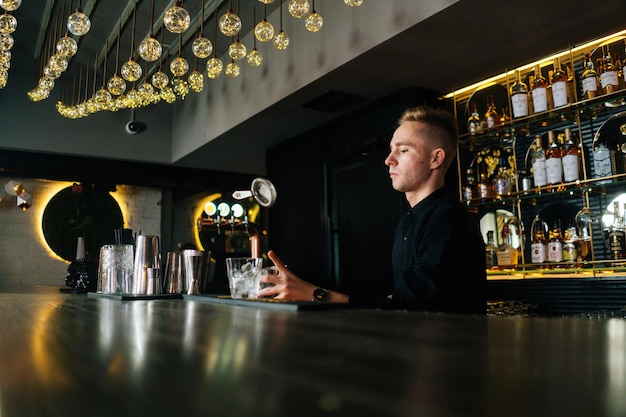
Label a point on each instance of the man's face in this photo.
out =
(409, 157)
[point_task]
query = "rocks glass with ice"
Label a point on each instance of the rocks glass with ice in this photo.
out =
(243, 276)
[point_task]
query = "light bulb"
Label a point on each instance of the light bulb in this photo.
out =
(180, 87)
(133, 99)
(229, 23)
(145, 91)
(8, 23)
(67, 47)
(78, 23)
(281, 41)
(160, 79)
(150, 49)
(353, 3)
(196, 81)
(102, 99)
(116, 85)
(232, 69)
(255, 58)
(313, 22)
(10, 5)
(131, 71)
(299, 8)
(176, 19)
(51, 72)
(167, 94)
(6, 41)
(57, 63)
(202, 47)
(46, 83)
(264, 31)
(179, 66)
(214, 67)
(237, 50)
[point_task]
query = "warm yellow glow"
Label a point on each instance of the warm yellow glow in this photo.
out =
(500, 78)
(119, 196)
(50, 369)
(43, 198)
(198, 213)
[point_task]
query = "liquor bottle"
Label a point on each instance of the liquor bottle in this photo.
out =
(507, 255)
(617, 234)
(589, 78)
(539, 247)
(571, 85)
(608, 77)
(559, 85)
(599, 71)
(620, 71)
(603, 159)
(470, 190)
(519, 97)
(490, 250)
(554, 166)
(505, 114)
(492, 119)
(474, 124)
(570, 158)
(570, 245)
(485, 186)
(540, 175)
(555, 244)
(501, 183)
(539, 91)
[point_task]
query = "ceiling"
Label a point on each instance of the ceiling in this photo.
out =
(465, 42)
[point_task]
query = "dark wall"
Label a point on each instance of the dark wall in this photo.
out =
(336, 210)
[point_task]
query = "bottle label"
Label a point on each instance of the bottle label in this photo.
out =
(491, 122)
(570, 167)
(538, 253)
(540, 99)
(602, 162)
(539, 173)
(590, 84)
(559, 93)
(520, 105)
(499, 186)
(504, 257)
(468, 192)
(554, 170)
(609, 78)
(555, 251)
(570, 253)
(617, 243)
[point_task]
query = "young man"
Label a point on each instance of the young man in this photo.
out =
(438, 255)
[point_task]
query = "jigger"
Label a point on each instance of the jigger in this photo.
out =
(196, 267)
(174, 274)
(147, 269)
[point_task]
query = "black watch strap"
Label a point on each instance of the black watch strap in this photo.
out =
(321, 295)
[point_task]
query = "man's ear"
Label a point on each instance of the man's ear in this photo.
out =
(438, 156)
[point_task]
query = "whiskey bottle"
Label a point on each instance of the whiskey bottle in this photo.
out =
(608, 77)
(603, 159)
(617, 234)
(555, 245)
(539, 91)
(539, 247)
(485, 187)
(570, 158)
(554, 165)
(589, 78)
(490, 250)
(470, 190)
(570, 245)
(505, 116)
(540, 175)
(474, 124)
(519, 97)
(492, 119)
(559, 85)
(507, 256)
(620, 71)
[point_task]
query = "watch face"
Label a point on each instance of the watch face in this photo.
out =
(320, 294)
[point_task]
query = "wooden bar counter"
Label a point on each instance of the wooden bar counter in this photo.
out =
(78, 355)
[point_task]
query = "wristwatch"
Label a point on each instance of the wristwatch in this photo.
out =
(321, 295)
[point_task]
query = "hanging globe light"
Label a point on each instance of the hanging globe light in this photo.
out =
(145, 91)
(131, 71)
(5, 56)
(5, 65)
(10, 5)
(103, 99)
(160, 79)
(266, 1)
(6, 41)
(202, 47)
(51, 72)
(46, 83)
(264, 31)
(176, 19)
(299, 8)
(180, 87)
(116, 85)
(8, 23)
(353, 3)
(67, 47)
(57, 63)
(255, 58)
(133, 99)
(232, 69)
(281, 41)
(237, 50)
(78, 23)
(179, 66)
(196, 81)
(167, 94)
(214, 67)
(230, 24)
(150, 49)
(313, 22)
